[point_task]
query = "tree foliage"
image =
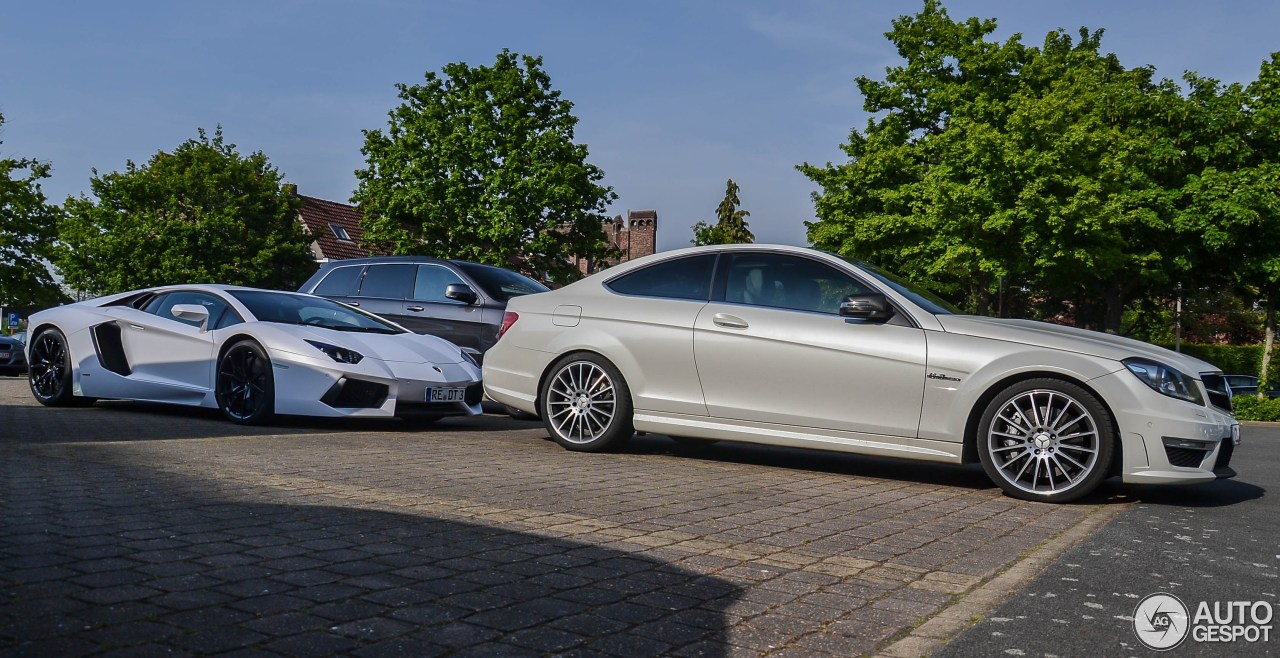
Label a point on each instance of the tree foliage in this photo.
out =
(479, 163)
(27, 229)
(1052, 169)
(201, 214)
(731, 223)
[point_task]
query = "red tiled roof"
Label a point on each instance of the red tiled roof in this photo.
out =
(319, 214)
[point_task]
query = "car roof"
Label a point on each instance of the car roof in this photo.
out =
(379, 260)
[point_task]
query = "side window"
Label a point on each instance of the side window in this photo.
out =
(391, 281)
(790, 282)
(683, 278)
(431, 282)
(340, 282)
(162, 306)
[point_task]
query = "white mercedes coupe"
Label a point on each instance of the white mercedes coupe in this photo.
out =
(251, 353)
(795, 347)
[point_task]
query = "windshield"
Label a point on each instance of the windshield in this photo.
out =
(500, 284)
(918, 295)
(291, 308)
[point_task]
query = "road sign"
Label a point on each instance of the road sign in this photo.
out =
(13, 319)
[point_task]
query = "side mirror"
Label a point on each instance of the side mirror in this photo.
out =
(461, 292)
(872, 306)
(192, 313)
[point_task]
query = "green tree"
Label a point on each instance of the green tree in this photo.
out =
(201, 214)
(479, 163)
(1044, 168)
(731, 223)
(1232, 201)
(27, 230)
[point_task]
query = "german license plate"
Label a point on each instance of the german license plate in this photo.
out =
(446, 394)
(4, 355)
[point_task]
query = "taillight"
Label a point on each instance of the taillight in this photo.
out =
(509, 318)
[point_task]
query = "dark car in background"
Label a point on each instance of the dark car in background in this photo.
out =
(1248, 385)
(459, 301)
(13, 361)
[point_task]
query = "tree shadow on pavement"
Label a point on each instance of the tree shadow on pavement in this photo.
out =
(100, 555)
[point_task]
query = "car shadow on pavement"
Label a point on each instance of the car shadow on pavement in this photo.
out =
(98, 554)
(968, 476)
(1218, 493)
(107, 420)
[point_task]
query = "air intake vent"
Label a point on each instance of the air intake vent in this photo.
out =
(355, 394)
(1216, 385)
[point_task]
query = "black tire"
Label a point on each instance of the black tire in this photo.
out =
(245, 388)
(585, 404)
(49, 372)
(1037, 428)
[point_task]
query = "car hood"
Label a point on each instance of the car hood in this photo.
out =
(403, 348)
(1070, 339)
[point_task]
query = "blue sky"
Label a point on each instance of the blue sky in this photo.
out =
(673, 97)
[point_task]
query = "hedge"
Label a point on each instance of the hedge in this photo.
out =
(1231, 359)
(1249, 407)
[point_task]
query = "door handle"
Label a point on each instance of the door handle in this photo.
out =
(137, 326)
(352, 303)
(414, 308)
(728, 321)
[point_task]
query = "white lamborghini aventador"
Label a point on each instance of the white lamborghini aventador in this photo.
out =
(251, 353)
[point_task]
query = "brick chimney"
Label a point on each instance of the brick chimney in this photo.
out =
(642, 229)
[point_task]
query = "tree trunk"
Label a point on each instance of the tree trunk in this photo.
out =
(1114, 311)
(1267, 346)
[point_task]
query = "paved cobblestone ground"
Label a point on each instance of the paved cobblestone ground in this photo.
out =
(131, 530)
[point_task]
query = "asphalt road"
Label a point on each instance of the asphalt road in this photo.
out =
(1214, 543)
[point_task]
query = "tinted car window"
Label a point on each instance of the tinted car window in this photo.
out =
(393, 281)
(682, 278)
(500, 284)
(340, 281)
(790, 282)
(162, 306)
(290, 308)
(431, 282)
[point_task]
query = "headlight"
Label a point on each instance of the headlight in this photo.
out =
(339, 354)
(1164, 380)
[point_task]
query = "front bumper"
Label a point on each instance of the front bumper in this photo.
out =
(311, 386)
(1164, 440)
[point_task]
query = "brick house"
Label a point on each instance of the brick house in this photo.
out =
(635, 237)
(336, 232)
(334, 227)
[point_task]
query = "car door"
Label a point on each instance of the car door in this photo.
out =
(775, 349)
(171, 358)
(428, 311)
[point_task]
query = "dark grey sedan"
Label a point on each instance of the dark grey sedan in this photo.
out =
(12, 359)
(459, 301)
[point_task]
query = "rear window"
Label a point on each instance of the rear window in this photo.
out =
(682, 278)
(340, 281)
(500, 284)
